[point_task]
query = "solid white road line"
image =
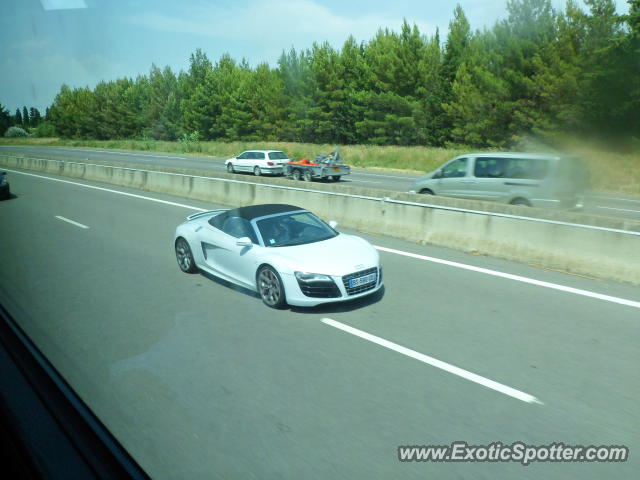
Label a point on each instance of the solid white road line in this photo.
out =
(71, 222)
(382, 175)
(434, 362)
(361, 181)
(100, 151)
(111, 191)
(620, 209)
(617, 199)
(120, 153)
(517, 278)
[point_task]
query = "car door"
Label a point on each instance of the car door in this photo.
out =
(258, 160)
(209, 237)
(488, 173)
(240, 162)
(454, 179)
(234, 261)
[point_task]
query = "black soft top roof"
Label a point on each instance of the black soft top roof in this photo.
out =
(254, 211)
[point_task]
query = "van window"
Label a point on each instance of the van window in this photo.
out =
(489, 167)
(258, 156)
(526, 168)
(457, 168)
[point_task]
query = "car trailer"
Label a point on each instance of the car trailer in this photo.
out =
(327, 166)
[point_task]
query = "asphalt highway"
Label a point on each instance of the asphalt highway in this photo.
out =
(362, 178)
(198, 379)
(620, 206)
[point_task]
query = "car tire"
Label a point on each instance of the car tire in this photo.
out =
(270, 287)
(521, 202)
(184, 256)
(426, 191)
(230, 168)
(335, 178)
(296, 175)
(256, 171)
(307, 176)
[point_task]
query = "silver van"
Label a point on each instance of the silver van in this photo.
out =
(546, 181)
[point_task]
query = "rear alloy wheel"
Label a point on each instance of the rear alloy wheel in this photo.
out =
(296, 174)
(256, 171)
(307, 176)
(185, 257)
(270, 287)
(230, 168)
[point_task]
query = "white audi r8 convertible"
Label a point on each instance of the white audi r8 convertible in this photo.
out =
(285, 253)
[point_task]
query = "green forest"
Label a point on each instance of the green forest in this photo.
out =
(538, 72)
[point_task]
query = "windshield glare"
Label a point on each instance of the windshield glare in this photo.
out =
(293, 229)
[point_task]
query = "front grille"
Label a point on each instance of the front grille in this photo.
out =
(359, 288)
(319, 289)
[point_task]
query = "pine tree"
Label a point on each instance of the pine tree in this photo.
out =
(5, 119)
(265, 98)
(456, 45)
(35, 116)
(299, 90)
(25, 118)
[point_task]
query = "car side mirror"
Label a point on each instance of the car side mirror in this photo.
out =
(333, 224)
(244, 242)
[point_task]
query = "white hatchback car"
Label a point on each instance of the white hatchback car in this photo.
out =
(259, 162)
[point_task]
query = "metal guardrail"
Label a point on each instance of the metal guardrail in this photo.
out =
(362, 197)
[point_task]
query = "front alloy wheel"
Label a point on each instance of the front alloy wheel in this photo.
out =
(230, 168)
(185, 257)
(270, 287)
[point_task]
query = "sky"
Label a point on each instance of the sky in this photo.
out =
(45, 43)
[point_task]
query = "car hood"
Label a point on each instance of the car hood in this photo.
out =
(424, 177)
(336, 256)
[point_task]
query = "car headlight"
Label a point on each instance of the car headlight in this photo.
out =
(312, 277)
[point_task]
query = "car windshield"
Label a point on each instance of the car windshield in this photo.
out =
(293, 229)
(277, 156)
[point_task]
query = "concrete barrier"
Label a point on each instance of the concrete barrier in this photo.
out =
(610, 249)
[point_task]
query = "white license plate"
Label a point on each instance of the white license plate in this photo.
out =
(356, 282)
